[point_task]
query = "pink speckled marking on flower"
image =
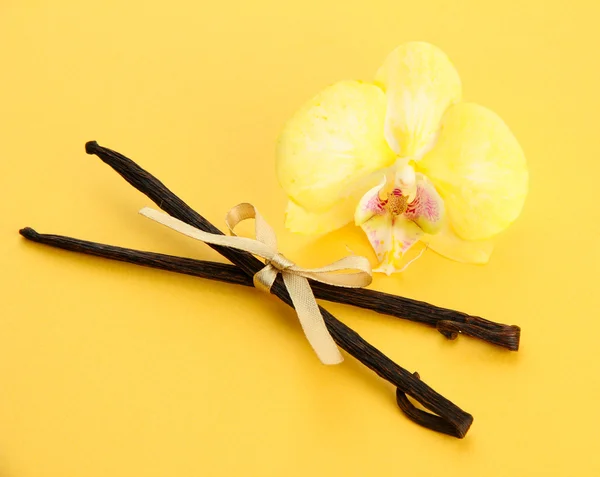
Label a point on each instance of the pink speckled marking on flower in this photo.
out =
(424, 205)
(376, 204)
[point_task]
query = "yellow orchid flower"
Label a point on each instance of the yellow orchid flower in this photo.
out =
(404, 159)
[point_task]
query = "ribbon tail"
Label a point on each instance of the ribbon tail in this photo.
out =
(311, 319)
(239, 243)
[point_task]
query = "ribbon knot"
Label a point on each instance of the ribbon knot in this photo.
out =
(280, 262)
(264, 279)
(351, 272)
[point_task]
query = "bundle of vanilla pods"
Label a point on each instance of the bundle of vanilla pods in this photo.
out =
(444, 417)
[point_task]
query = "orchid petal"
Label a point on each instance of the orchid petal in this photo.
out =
(480, 171)
(420, 83)
(333, 143)
(300, 220)
(450, 245)
(427, 209)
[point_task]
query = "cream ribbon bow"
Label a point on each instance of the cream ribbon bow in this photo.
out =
(357, 271)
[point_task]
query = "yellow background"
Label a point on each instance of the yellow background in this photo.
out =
(107, 369)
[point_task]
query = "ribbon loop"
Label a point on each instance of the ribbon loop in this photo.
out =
(353, 272)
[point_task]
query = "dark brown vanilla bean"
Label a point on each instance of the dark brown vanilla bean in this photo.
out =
(448, 322)
(223, 272)
(457, 422)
